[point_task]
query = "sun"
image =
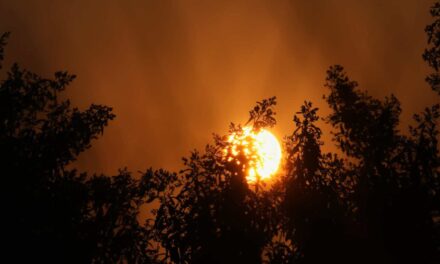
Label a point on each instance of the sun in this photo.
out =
(261, 150)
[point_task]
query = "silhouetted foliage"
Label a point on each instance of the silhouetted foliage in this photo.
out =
(213, 216)
(432, 53)
(394, 215)
(54, 214)
(314, 195)
(376, 201)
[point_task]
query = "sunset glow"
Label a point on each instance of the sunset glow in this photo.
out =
(261, 150)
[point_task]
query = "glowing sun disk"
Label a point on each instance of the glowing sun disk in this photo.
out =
(262, 150)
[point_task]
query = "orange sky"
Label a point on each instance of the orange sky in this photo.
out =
(176, 71)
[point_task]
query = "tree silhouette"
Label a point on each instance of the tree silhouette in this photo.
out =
(393, 210)
(376, 201)
(54, 214)
(315, 190)
(213, 216)
(432, 53)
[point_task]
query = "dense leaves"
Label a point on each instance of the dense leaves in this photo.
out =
(214, 216)
(432, 53)
(54, 214)
(376, 201)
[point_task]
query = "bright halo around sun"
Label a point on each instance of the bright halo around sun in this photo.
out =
(261, 149)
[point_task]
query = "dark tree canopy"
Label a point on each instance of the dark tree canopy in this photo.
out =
(376, 201)
(432, 53)
(55, 214)
(214, 217)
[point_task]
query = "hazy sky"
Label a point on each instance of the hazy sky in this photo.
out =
(177, 71)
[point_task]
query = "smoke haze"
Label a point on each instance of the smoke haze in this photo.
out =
(176, 71)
